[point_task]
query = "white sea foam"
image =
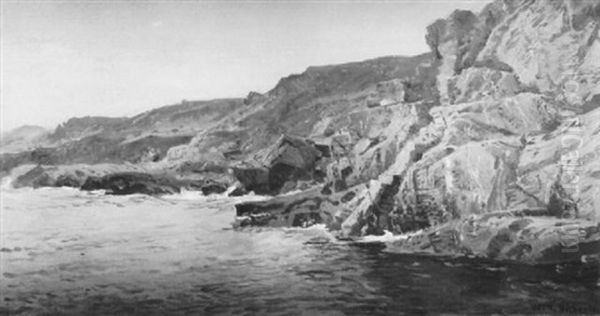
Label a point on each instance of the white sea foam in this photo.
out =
(6, 183)
(386, 237)
(190, 195)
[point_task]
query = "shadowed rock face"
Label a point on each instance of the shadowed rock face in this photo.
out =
(129, 183)
(303, 210)
(281, 167)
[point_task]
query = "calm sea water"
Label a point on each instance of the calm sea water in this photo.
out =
(70, 252)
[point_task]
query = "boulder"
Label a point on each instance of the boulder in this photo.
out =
(253, 179)
(282, 166)
(301, 209)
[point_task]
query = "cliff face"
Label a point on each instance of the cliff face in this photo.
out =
(514, 130)
(487, 146)
(517, 122)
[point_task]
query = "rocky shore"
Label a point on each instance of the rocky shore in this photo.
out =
(486, 146)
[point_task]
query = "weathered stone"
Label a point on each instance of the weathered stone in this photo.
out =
(299, 210)
(503, 236)
(131, 182)
(253, 179)
(287, 162)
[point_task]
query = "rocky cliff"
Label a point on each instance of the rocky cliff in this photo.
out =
(486, 146)
(511, 130)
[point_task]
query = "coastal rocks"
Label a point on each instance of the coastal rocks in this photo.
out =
(57, 176)
(503, 114)
(495, 144)
(514, 236)
(568, 156)
(96, 149)
(479, 83)
(120, 179)
(550, 46)
(35, 177)
(132, 182)
(462, 35)
(281, 166)
(302, 209)
(254, 179)
(206, 183)
(146, 137)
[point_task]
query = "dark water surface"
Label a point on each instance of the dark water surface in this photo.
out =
(68, 252)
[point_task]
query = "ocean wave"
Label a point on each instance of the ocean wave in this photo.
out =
(6, 183)
(387, 237)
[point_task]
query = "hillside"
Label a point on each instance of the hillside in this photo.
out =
(486, 146)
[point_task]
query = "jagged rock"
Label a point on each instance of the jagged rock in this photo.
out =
(66, 175)
(504, 236)
(550, 46)
(286, 162)
(68, 181)
(253, 179)
(482, 83)
(213, 188)
(253, 97)
(35, 177)
(302, 209)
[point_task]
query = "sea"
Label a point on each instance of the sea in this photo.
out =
(68, 252)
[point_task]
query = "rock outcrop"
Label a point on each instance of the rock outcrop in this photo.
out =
(497, 135)
(508, 236)
(131, 182)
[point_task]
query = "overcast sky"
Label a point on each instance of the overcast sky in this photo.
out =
(114, 58)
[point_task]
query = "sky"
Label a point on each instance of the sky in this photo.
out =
(60, 59)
